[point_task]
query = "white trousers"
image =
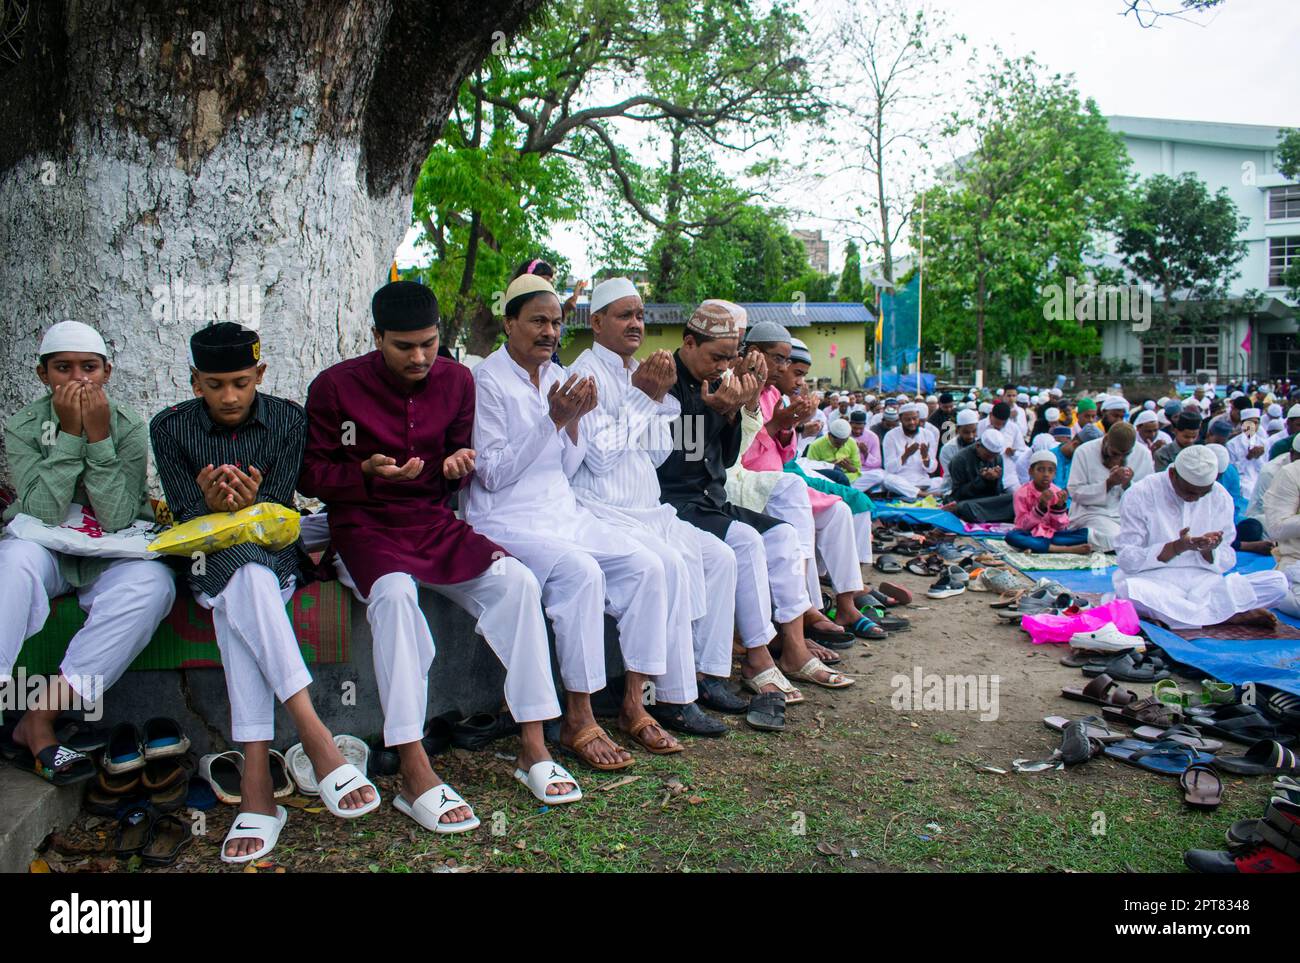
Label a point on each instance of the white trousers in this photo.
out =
(837, 549)
(507, 604)
(1290, 603)
(123, 607)
(1102, 530)
(712, 631)
(862, 537)
(259, 650)
(890, 482)
(769, 570)
(1197, 599)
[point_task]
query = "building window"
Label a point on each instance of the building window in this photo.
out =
(1284, 202)
(1283, 352)
(1282, 253)
(1184, 359)
(963, 368)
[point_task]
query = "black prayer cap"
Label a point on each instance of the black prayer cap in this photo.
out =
(858, 417)
(945, 399)
(225, 346)
(1187, 421)
(404, 306)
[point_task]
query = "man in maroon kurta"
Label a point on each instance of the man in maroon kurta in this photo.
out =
(388, 443)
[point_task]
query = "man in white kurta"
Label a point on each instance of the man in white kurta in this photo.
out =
(1100, 475)
(1282, 522)
(1248, 451)
(628, 436)
(528, 443)
(1175, 554)
(910, 454)
(999, 417)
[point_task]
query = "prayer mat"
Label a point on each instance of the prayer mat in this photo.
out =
(1264, 661)
(1240, 633)
(1059, 561)
(321, 614)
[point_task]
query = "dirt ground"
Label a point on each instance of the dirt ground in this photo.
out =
(855, 783)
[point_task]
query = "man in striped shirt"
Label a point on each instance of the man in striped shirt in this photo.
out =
(224, 450)
(628, 435)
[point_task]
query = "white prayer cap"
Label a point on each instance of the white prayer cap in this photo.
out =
(919, 409)
(985, 408)
(968, 417)
(1043, 455)
(1220, 453)
(72, 336)
(1053, 415)
(972, 395)
(1163, 401)
(1197, 465)
(1116, 387)
(609, 291)
(992, 440)
(1022, 399)
(1235, 395)
(1275, 410)
(841, 429)
(1294, 412)
(1295, 443)
(767, 331)
(869, 399)
(931, 399)
(1042, 442)
(1054, 392)
(1250, 413)
(1149, 405)
(1115, 404)
(1145, 419)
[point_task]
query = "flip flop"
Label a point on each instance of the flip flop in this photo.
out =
(1127, 667)
(542, 775)
(1097, 728)
(169, 836)
(346, 779)
(1148, 711)
(133, 831)
(773, 676)
(864, 628)
(1265, 758)
(1287, 787)
(224, 771)
(163, 739)
(891, 594)
(432, 805)
(635, 731)
(888, 564)
(840, 637)
(57, 764)
(767, 712)
(1162, 758)
(1187, 735)
(836, 680)
(255, 826)
(1202, 787)
(1101, 691)
(584, 738)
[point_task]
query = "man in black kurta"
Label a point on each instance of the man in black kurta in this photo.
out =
(978, 492)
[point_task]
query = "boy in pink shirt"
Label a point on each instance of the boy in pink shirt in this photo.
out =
(1041, 514)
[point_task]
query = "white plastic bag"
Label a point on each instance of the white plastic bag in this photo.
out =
(80, 534)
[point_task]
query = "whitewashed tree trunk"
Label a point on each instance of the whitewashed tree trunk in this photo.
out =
(250, 161)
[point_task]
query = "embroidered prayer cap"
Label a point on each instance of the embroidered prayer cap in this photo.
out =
(610, 290)
(523, 287)
(1249, 413)
(1219, 426)
(225, 346)
(931, 399)
(1197, 465)
(799, 353)
(1042, 456)
(858, 417)
(767, 331)
(404, 306)
(967, 417)
(716, 318)
(72, 336)
(992, 440)
(841, 429)
(891, 414)
(1221, 454)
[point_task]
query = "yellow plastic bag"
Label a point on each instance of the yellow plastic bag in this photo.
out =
(266, 523)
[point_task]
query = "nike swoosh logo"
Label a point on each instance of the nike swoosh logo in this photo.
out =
(338, 786)
(245, 827)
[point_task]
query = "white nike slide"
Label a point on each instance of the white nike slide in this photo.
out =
(343, 780)
(354, 750)
(542, 775)
(433, 805)
(255, 826)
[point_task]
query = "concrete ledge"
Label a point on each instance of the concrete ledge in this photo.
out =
(31, 809)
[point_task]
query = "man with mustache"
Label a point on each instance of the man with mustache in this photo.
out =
(528, 436)
(628, 436)
(388, 444)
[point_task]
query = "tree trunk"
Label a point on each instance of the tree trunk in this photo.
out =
(165, 166)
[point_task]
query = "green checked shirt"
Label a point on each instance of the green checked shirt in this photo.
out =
(108, 475)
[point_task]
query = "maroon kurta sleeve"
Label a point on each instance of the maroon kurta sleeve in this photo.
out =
(329, 472)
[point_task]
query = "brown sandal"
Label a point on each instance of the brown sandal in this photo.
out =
(1149, 711)
(585, 738)
(636, 733)
(1102, 691)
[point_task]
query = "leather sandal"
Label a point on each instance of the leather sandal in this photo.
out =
(585, 738)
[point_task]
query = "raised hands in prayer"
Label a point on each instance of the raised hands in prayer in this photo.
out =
(381, 466)
(458, 464)
(992, 472)
(910, 450)
(655, 375)
(1119, 475)
(81, 406)
(731, 393)
(785, 417)
(570, 401)
(227, 489)
(1205, 544)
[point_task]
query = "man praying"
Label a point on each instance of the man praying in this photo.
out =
(1100, 473)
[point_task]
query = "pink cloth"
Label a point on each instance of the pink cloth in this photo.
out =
(1030, 518)
(1059, 628)
(868, 449)
(767, 454)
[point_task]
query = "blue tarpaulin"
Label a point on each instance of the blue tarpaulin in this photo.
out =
(893, 381)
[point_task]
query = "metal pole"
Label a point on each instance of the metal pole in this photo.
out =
(920, 296)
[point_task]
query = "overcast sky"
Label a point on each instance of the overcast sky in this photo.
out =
(1237, 64)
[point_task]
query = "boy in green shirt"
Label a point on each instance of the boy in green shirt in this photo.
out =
(76, 445)
(838, 448)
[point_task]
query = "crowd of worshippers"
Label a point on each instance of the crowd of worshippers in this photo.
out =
(1181, 483)
(519, 491)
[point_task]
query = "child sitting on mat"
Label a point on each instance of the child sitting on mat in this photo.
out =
(1040, 513)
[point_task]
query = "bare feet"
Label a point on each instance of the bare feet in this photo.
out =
(1259, 617)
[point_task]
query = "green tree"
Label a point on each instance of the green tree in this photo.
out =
(1023, 212)
(1288, 153)
(1183, 241)
(850, 287)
